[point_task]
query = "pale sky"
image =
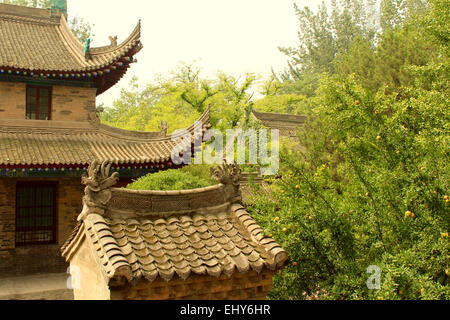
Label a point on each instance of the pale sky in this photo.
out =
(234, 36)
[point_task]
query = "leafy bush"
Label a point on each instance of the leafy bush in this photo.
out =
(372, 188)
(173, 179)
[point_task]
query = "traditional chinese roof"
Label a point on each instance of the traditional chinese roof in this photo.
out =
(286, 123)
(253, 185)
(34, 143)
(38, 43)
(171, 234)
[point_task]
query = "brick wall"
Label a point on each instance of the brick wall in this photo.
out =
(12, 100)
(247, 286)
(7, 214)
(73, 104)
(68, 103)
(36, 259)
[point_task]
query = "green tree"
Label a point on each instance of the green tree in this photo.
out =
(180, 99)
(359, 60)
(371, 183)
(394, 12)
(389, 63)
(280, 97)
(398, 50)
(322, 35)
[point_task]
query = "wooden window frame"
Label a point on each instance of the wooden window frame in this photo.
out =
(52, 228)
(38, 101)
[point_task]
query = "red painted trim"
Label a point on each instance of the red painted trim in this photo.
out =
(167, 165)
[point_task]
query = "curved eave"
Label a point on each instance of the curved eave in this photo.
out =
(52, 145)
(104, 68)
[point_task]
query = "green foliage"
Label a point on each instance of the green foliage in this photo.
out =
(172, 179)
(324, 34)
(180, 100)
(81, 28)
(389, 63)
(144, 109)
(437, 23)
(200, 171)
(369, 159)
(393, 13)
(371, 183)
(280, 97)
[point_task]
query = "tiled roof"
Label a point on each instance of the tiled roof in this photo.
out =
(168, 234)
(286, 123)
(253, 185)
(39, 39)
(52, 143)
(38, 44)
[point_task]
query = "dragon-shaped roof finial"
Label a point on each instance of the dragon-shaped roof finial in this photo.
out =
(98, 184)
(230, 176)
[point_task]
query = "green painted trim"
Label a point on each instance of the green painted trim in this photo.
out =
(48, 82)
(66, 173)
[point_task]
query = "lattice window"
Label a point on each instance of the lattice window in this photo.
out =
(35, 213)
(39, 103)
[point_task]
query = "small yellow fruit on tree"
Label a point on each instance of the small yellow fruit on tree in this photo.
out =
(357, 102)
(447, 271)
(284, 229)
(407, 214)
(378, 137)
(422, 291)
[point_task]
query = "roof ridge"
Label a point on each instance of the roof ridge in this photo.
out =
(31, 20)
(73, 45)
(257, 233)
(28, 12)
(299, 116)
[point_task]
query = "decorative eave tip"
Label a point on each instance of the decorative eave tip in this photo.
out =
(98, 184)
(230, 176)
